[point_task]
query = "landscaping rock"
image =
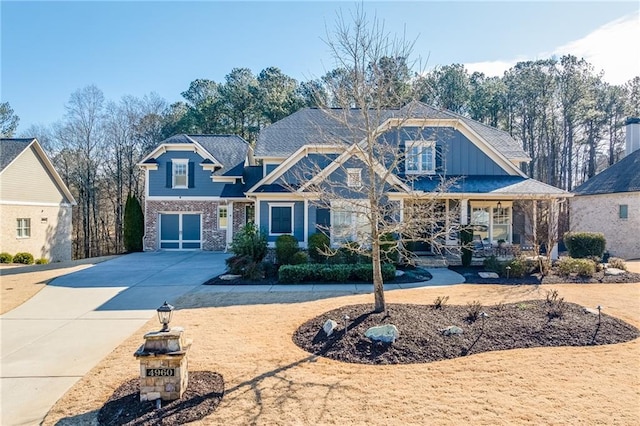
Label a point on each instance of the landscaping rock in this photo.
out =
(329, 326)
(591, 311)
(399, 273)
(452, 330)
(614, 271)
(230, 277)
(488, 275)
(383, 333)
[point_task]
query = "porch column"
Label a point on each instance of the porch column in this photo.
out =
(553, 227)
(464, 220)
(305, 230)
(229, 223)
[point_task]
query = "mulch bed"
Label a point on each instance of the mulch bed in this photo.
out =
(201, 398)
(508, 326)
(471, 275)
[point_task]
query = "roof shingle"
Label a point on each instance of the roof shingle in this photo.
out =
(623, 176)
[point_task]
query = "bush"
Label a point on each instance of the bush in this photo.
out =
(581, 267)
(24, 258)
(6, 258)
(440, 301)
(616, 262)
(299, 258)
(473, 311)
(250, 241)
(318, 243)
(332, 273)
(286, 247)
(492, 264)
(584, 244)
(133, 229)
(556, 306)
(519, 267)
(350, 253)
(466, 237)
(42, 261)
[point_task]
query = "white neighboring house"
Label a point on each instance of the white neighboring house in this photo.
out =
(35, 204)
(609, 202)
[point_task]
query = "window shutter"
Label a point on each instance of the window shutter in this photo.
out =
(439, 158)
(169, 183)
(192, 170)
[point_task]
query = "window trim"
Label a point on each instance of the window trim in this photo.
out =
(623, 208)
(226, 217)
(293, 226)
(175, 162)
(20, 228)
(355, 208)
(354, 181)
(425, 145)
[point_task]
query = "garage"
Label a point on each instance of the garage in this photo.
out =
(180, 231)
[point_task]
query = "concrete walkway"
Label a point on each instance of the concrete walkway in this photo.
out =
(56, 337)
(52, 340)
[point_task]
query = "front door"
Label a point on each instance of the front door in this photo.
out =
(180, 231)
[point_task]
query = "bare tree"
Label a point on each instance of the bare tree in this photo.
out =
(367, 200)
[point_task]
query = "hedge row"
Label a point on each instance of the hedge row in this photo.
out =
(332, 273)
(583, 245)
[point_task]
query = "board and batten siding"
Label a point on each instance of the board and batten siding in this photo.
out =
(202, 184)
(28, 180)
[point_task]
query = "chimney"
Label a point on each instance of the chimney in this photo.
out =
(632, 128)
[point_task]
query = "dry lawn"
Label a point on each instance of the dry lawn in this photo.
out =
(270, 381)
(20, 283)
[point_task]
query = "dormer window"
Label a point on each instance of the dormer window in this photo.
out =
(420, 157)
(180, 173)
(354, 178)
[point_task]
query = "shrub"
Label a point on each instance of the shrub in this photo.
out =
(133, 229)
(5, 257)
(299, 258)
(318, 243)
(24, 258)
(332, 273)
(519, 267)
(616, 262)
(350, 253)
(270, 269)
(440, 301)
(42, 261)
(584, 244)
(250, 241)
(389, 249)
(237, 264)
(492, 264)
(581, 267)
(286, 247)
(473, 311)
(466, 237)
(556, 306)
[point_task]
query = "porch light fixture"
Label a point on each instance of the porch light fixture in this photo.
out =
(164, 315)
(499, 205)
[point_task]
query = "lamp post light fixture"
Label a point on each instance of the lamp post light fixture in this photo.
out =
(346, 322)
(508, 269)
(164, 315)
(499, 205)
(483, 315)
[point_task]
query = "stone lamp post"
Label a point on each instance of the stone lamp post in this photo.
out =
(163, 360)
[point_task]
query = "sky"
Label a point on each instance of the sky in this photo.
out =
(50, 49)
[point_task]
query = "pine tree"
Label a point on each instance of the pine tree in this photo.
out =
(133, 225)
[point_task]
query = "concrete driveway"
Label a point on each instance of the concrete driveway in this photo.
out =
(56, 337)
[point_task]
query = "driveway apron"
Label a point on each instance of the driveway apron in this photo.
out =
(56, 337)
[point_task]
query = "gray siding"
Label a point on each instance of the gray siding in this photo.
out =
(202, 185)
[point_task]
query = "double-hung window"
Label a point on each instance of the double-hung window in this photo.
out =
(349, 222)
(623, 211)
(420, 157)
(180, 173)
(23, 228)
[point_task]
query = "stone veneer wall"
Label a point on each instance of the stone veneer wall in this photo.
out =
(212, 237)
(600, 213)
(167, 388)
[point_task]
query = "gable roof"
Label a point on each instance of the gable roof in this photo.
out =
(515, 186)
(319, 126)
(10, 149)
(623, 176)
(227, 151)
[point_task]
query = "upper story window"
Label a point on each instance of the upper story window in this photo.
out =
(180, 173)
(354, 178)
(420, 157)
(23, 228)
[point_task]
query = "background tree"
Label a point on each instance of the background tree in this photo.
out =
(8, 120)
